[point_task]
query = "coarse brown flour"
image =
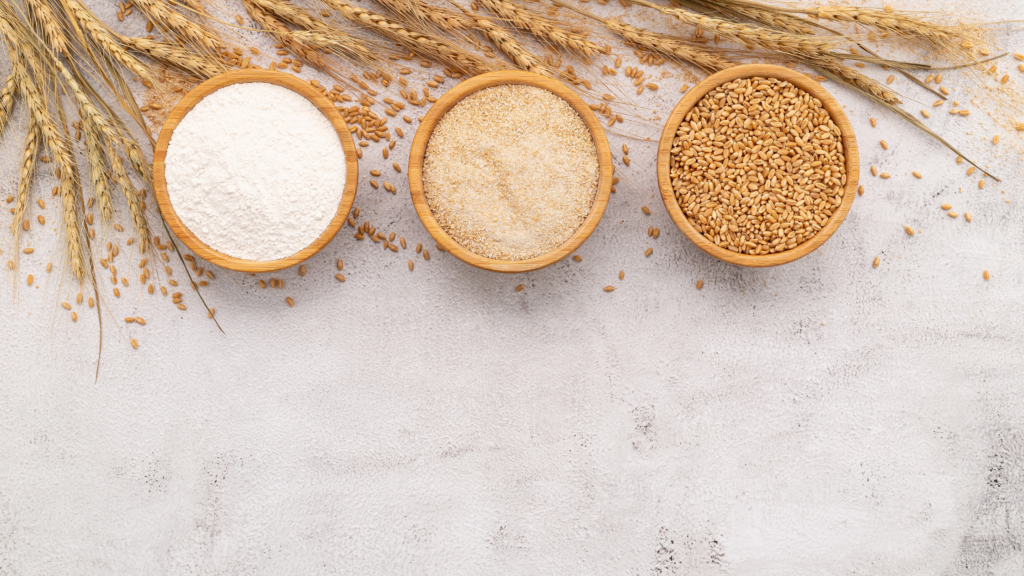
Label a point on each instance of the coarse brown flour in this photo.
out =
(255, 171)
(511, 172)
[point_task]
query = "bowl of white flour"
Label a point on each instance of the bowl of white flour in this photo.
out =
(255, 170)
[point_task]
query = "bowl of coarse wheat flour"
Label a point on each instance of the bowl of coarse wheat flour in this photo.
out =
(255, 170)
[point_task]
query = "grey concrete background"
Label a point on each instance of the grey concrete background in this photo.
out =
(823, 417)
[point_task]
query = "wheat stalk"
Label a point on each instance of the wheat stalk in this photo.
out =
(104, 38)
(198, 65)
(436, 49)
(7, 95)
(545, 29)
(27, 168)
(48, 24)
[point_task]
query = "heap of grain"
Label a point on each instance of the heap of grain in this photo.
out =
(758, 166)
(511, 172)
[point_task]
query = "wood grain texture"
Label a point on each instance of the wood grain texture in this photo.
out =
(804, 83)
(451, 98)
(236, 77)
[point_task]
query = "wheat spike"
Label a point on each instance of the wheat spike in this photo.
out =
(104, 38)
(198, 65)
(50, 27)
(329, 43)
(316, 33)
(762, 13)
(545, 29)
(27, 168)
(782, 42)
(896, 22)
(509, 46)
(178, 25)
(287, 37)
(7, 96)
(54, 138)
(87, 108)
(851, 76)
(670, 46)
(131, 196)
(436, 49)
(291, 13)
(97, 174)
(661, 43)
(419, 12)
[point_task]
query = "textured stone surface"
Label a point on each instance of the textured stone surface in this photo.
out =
(823, 417)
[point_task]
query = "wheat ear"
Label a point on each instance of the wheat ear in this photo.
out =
(669, 46)
(50, 27)
(782, 42)
(761, 13)
(27, 168)
(315, 33)
(509, 46)
(432, 48)
(55, 141)
(286, 36)
(198, 65)
(545, 29)
(97, 174)
(178, 25)
(104, 38)
(895, 22)
(7, 97)
(131, 196)
(421, 12)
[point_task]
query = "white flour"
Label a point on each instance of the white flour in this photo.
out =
(255, 171)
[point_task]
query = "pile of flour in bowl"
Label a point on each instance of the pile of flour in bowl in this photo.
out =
(255, 171)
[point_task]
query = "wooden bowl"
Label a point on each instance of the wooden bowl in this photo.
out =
(453, 97)
(804, 83)
(237, 77)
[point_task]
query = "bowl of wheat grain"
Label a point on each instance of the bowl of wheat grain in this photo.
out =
(510, 171)
(758, 165)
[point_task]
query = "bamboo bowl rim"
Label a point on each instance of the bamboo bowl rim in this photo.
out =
(193, 97)
(453, 97)
(806, 84)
